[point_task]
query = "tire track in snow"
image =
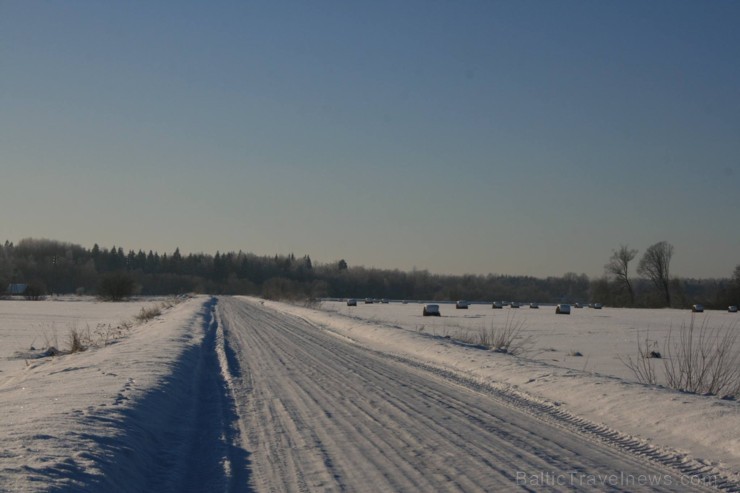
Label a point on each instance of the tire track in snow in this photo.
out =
(324, 415)
(676, 463)
(202, 450)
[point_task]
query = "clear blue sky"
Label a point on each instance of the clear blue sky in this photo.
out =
(511, 137)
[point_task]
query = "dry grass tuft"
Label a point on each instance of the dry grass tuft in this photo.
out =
(147, 314)
(506, 338)
(78, 340)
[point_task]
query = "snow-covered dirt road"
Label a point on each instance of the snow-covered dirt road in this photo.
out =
(237, 395)
(318, 413)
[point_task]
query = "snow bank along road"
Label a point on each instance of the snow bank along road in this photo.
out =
(317, 413)
(225, 394)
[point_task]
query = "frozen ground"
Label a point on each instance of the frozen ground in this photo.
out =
(601, 337)
(28, 326)
(604, 394)
(98, 420)
(235, 394)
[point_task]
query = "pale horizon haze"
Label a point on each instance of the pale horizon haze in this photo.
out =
(472, 137)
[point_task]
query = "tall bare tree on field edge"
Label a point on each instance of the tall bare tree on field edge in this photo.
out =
(735, 286)
(655, 265)
(618, 266)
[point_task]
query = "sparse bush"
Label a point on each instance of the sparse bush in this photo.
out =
(35, 291)
(116, 286)
(312, 303)
(703, 359)
(443, 331)
(147, 314)
(700, 359)
(167, 304)
(506, 338)
(51, 340)
(78, 340)
(642, 366)
(104, 333)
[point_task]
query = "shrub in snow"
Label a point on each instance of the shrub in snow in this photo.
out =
(116, 286)
(79, 340)
(641, 366)
(147, 314)
(703, 359)
(698, 359)
(506, 338)
(35, 291)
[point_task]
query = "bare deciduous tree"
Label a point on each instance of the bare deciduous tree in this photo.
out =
(735, 291)
(655, 265)
(618, 266)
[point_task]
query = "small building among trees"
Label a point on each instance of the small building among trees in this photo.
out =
(16, 289)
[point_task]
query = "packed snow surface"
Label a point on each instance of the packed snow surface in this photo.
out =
(596, 386)
(236, 394)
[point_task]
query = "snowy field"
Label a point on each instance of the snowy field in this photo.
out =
(155, 410)
(588, 339)
(27, 328)
(88, 421)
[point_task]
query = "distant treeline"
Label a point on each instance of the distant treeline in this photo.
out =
(54, 267)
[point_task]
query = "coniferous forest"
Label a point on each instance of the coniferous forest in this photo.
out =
(49, 267)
